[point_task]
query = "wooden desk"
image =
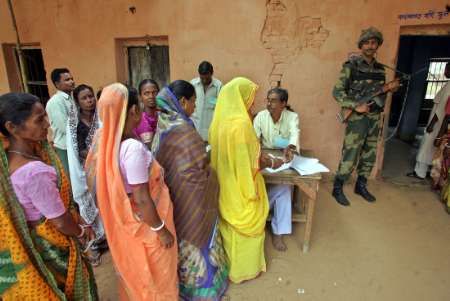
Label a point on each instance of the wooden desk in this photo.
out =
(309, 185)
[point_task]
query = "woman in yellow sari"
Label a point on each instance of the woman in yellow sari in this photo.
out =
(236, 157)
(40, 254)
(134, 201)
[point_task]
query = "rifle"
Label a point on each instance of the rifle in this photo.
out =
(346, 113)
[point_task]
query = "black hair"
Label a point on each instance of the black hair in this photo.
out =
(205, 67)
(16, 108)
(182, 88)
(145, 82)
(282, 94)
(80, 88)
(133, 98)
(56, 74)
(99, 93)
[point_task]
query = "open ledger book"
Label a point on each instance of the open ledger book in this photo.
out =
(304, 166)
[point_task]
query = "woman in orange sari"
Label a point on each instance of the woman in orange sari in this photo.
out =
(40, 254)
(134, 201)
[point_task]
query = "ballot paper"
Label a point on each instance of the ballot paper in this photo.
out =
(303, 165)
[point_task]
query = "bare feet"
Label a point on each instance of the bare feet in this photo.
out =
(278, 242)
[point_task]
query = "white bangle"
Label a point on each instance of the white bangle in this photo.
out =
(158, 228)
(271, 160)
(83, 231)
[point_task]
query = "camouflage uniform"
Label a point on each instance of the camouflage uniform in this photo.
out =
(357, 80)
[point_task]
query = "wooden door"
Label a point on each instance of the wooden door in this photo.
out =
(151, 61)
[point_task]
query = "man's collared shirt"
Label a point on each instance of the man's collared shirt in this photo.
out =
(205, 105)
(287, 128)
(58, 108)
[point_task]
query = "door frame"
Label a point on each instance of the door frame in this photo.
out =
(417, 30)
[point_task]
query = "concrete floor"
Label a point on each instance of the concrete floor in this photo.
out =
(395, 249)
(399, 159)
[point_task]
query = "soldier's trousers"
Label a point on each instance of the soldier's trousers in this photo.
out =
(360, 145)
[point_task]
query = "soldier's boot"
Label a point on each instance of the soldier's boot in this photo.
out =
(338, 192)
(361, 189)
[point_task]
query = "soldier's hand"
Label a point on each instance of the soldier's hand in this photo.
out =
(363, 108)
(391, 86)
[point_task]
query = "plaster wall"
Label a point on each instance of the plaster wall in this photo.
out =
(301, 43)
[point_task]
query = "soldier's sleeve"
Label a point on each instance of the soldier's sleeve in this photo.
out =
(341, 88)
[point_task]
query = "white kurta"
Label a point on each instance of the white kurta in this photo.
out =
(427, 149)
(279, 195)
(205, 105)
(286, 128)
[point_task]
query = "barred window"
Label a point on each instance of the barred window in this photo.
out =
(434, 82)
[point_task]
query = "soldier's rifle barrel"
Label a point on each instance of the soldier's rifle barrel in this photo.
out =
(406, 76)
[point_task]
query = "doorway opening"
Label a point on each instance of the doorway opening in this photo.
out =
(424, 57)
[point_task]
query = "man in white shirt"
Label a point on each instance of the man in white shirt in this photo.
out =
(278, 127)
(58, 108)
(207, 89)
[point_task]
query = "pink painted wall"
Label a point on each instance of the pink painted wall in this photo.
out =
(309, 40)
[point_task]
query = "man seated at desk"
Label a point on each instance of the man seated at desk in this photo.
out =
(277, 127)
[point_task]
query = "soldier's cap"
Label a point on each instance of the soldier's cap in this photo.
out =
(370, 33)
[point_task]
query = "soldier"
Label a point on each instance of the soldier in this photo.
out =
(361, 88)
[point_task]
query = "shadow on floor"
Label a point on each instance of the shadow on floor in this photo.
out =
(399, 159)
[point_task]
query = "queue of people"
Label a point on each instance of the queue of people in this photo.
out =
(134, 171)
(168, 179)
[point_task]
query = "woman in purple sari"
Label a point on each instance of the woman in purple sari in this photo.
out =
(148, 89)
(194, 190)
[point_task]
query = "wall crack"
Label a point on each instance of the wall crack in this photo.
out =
(285, 34)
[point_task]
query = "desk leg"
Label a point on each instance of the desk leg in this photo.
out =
(311, 203)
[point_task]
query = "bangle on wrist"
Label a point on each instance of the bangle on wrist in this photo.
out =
(156, 229)
(83, 231)
(271, 160)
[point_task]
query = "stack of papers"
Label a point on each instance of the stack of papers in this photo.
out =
(303, 165)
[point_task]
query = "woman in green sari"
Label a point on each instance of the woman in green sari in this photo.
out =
(40, 253)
